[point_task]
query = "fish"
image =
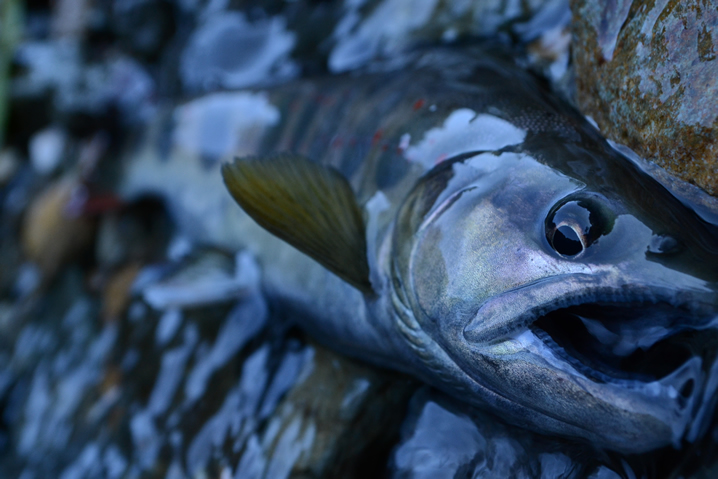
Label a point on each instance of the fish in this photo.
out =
(451, 218)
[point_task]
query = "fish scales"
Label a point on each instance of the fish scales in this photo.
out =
(451, 219)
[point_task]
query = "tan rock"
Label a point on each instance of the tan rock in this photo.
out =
(647, 73)
(116, 294)
(50, 234)
(340, 420)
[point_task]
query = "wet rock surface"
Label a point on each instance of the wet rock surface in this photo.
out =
(647, 73)
(184, 390)
(441, 439)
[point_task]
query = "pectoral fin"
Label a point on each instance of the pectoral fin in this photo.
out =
(308, 205)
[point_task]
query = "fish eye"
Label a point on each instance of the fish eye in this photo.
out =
(576, 223)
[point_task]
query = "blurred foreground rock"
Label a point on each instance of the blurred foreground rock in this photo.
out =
(52, 233)
(647, 73)
(340, 420)
(176, 385)
(440, 439)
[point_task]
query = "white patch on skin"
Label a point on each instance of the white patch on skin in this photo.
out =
(462, 131)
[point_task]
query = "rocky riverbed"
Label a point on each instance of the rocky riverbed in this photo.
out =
(128, 350)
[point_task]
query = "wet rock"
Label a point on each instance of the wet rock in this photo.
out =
(14, 197)
(206, 278)
(193, 138)
(364, 33)
(647, 73)
(116, 399)
(44, 399)
(217, 390)
(441, 439)
(70, 18)
(9, 164)
(10, 30)
(139, 232)
(52, 233)
(143, 27)
(549, 54)
(272, 41)
(339, 420)
(117, 292)
(84, 96)
(46, 149)
(229, 51)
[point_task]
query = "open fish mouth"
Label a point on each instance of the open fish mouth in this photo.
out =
(629, 367)
(622, 335)
(623, 343)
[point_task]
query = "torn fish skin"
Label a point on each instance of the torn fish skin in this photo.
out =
(516, 261)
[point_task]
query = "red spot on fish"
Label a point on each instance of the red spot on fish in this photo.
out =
(439, 159)
(376, 138)
(352, 141)
(337, 142)
(419, 103)
(384, 147)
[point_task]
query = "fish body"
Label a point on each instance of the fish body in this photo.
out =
(505, 253)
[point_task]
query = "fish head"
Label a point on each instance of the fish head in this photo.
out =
(564, 288)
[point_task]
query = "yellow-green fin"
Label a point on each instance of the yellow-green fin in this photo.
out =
(308, 205)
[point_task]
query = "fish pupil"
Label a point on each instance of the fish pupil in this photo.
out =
(566, 241)
(577, 222)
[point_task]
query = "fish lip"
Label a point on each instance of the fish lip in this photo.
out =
(516, 312)
(507, 314)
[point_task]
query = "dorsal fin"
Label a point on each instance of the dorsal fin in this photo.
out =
(308, 205)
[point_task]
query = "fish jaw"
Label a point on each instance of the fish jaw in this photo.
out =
(630, 417)
(631, 412)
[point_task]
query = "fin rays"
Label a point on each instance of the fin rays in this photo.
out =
(308, 205)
